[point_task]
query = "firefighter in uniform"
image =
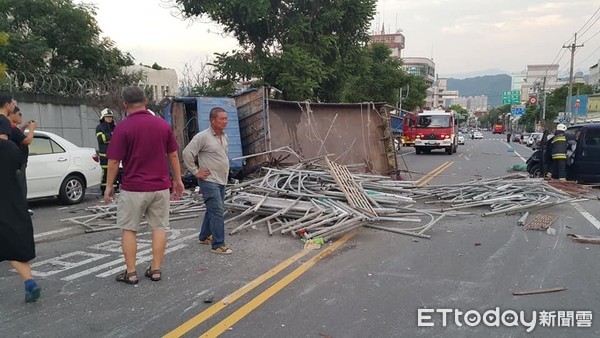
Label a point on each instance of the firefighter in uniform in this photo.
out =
(104, 132)
(558, 146)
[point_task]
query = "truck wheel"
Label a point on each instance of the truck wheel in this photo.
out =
(449, 150)
(455, 147)
(418, 150)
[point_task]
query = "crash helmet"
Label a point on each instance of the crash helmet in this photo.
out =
(106, 112)
(561, 127)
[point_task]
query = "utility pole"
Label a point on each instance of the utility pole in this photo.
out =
(544, 105)
(572, 47)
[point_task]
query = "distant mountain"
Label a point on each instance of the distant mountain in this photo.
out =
(491, 86)
(475, 73)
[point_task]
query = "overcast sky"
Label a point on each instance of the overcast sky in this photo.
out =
(464, 36)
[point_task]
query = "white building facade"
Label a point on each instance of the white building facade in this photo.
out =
(162, 83)
(424, 68)
(535, 79)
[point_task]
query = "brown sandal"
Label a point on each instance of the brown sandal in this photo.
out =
(125, 277)
(150, 273)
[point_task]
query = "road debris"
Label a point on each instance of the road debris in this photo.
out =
(320, 199)
(104, 217)
(584, 239)
(541, 222)
(539, 291)
(523, 219)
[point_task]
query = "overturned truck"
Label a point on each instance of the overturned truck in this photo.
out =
(354, 134)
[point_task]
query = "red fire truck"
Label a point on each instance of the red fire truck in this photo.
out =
(498, 128)
(409, 128)
(436, 129)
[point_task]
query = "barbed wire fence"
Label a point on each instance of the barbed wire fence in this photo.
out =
(94, 93)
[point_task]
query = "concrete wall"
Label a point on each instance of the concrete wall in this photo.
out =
(73, 120)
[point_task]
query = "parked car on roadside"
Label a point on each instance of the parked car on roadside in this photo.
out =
(516, 137)
(58, 168)
(532, 138)
(524, 138)
(536, 143)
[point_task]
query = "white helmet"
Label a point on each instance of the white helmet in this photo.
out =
(106, 112)
(561, 127)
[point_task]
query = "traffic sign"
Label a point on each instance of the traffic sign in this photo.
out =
(533, 100)
(511, 97)
(517, 111)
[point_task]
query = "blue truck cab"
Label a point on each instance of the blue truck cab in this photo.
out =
(190, 115)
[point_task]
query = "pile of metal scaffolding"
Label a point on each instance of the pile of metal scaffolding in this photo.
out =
(310, 200)
(104, 217)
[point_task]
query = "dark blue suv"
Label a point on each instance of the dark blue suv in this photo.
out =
(584, 149)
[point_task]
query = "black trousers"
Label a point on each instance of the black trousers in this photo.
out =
(22, 179)
(560, 168)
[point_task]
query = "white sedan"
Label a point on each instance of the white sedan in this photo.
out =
(477, 135)
(461, 139)
(57, 167)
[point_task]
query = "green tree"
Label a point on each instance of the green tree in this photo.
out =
(417, 92)
(557, 100)
(379, 79)
(462, 112)
(57, 37)
(307, 49)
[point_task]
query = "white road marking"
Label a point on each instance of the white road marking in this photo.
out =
(120, 260)
(63, 263)
(587, 215)
(142, 259)
(514, 151)
(50, 233)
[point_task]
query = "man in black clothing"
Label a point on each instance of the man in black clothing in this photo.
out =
(104, 132)
(22, 141)
(7, 105)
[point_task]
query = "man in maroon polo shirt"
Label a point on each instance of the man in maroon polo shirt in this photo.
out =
(142, 142)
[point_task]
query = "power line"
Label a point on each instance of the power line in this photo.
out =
(592, 25)
(598, 32)
(591, 17)
(589, 56)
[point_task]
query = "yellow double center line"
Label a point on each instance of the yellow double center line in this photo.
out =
(258, 300)
(432, 174)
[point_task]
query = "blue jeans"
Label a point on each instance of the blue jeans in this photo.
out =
(214, 222)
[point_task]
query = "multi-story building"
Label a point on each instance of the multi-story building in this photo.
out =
(442, 97)
(472, 103)
(161, 83)
(518, 80)
(594, 78)
(535, 79)
(395, 41)
(424, 68)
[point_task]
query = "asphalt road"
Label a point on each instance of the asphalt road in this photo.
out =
(369, 283)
